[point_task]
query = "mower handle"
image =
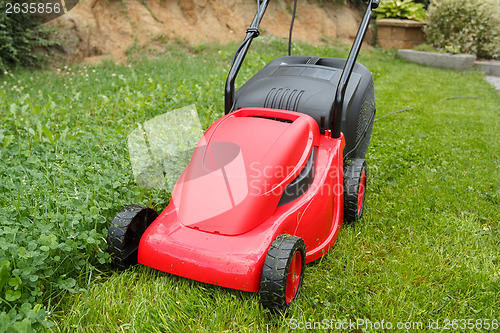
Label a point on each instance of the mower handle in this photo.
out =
(239, 56)
(348, 68)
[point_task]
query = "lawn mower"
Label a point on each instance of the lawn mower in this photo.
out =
(269, 184)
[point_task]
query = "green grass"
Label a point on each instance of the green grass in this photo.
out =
(426, 249)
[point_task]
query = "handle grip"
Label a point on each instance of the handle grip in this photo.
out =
(375, 3)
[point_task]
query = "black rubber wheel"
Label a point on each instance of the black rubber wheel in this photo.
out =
(125, 232)
(354, 189)
(283, 272)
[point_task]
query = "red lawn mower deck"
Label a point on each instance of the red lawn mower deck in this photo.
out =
(270, 184)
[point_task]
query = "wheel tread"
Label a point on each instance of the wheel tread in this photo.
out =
(275, 271)
(118, 239)
(352, 175)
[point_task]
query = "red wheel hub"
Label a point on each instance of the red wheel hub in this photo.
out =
(293, 279)
(361, 191)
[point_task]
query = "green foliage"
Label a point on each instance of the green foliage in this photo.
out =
(18, 39)
(465, 27)
(27, 319)
(65, 168)
(401, 9)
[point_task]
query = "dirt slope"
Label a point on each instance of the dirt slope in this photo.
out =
(106, 28)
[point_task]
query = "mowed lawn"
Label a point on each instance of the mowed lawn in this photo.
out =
(424, 254)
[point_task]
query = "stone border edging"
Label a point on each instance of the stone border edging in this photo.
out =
(440, 60)
(489, 67)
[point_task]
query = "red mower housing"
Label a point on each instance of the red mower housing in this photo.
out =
(270, 184)
(222, 236)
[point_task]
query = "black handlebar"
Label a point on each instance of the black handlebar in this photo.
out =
(239, 56)
(348, 68)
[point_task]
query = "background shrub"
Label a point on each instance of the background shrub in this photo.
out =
(459, 26)
(19, 37)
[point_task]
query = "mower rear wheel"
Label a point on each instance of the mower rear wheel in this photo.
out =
(283, 272)
(354, 189)
(125, 232)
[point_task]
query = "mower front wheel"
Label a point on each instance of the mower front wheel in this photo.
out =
(283, 272)
(354, 189)
(125, 232)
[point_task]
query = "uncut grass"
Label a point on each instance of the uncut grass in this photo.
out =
(426, 248)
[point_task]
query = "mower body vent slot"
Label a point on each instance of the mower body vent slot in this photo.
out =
(283, 98)
(302, 182)
(288, 121)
